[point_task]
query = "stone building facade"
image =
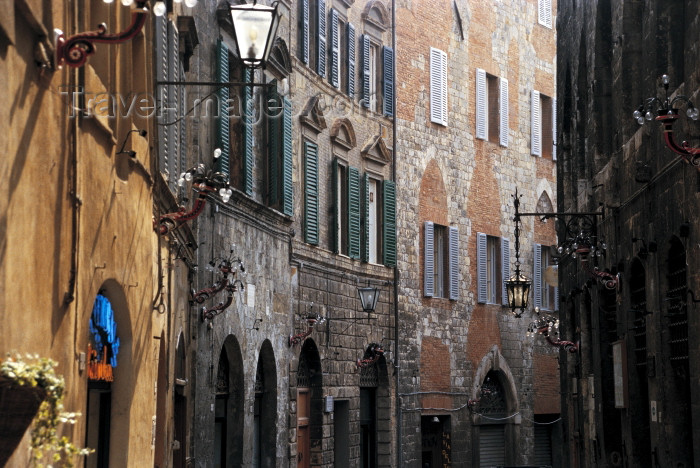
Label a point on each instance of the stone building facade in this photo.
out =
(474, 123)
(630, 397)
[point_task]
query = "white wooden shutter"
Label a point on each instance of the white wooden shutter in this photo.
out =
(535, 125)
(544, 13)
(429, 261)
(556, 299)
(481, 261)
(505, 268)
(554, 129)
(481, 105)
(438, 86)
(161, 38)
(537, 275)
(503, 112)
(454, 262)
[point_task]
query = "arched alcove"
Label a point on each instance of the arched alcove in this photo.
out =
(265, 408)
(229, 398)
(309, 402)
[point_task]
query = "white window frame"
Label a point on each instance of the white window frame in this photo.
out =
(544, 13)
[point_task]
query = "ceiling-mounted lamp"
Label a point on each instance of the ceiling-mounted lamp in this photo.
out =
(663, 110)
(255, 28)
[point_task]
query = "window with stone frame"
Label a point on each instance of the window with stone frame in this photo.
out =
(493, 264)
(440, 261)
(491, 108)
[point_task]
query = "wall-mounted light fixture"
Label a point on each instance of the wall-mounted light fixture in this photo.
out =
(204, 182)
(581, 242)
(518, 286)
(548, 326)
(75, 50)
(369, 295)
(131, 153)
(255, 28)
(664, 111)
(312, 320)
(231, 275)
(374, 353)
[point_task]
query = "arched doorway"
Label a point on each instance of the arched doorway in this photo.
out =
(180, 406)
(228, 406)
(309, 404)
(265, 409)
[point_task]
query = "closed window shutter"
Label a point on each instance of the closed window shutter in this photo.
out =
(222, 122)
(351, 60)
(365, 217)
(537, 275)
(505, 269)
(388, 82)
(161, 36)
(481, 272)
(454, 263)
(248, 119)
(182, 160)
(503, 112)
(544, 12)
(335, 215)
(438, 86)
(321, 38)
(305, 31)
(310, 193)
(556, 298)
(335, 49)
(354, 212)
(554, 129)
(287, 169)
(389, 223)
(481, 105)
(274, 130)
(429, 261)
(173, 103)
(366, 98)
(535, 125)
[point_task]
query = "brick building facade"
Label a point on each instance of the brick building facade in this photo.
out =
(631, 394)
(474, 122)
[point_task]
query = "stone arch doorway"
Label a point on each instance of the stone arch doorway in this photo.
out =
(265, 409)
(309, 406)
(495, 414)
(228, 406)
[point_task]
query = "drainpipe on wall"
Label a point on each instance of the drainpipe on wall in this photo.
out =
(397, 368)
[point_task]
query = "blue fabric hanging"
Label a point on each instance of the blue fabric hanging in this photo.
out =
(104, 329)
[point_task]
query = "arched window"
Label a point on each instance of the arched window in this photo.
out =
(265, 409)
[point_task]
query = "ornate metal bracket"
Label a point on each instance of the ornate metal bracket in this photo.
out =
(75, 50)
(608, 280)
(205, 293)
(688, 153)
(171, 221)
(546, 326)
(311, 320)
(208, 314)
(375, 352)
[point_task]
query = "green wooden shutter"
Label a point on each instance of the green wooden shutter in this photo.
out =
(222, 123)
(287, 183)
(365, 218)
(311, 193)
(274, 135)
(351, 60)
(353, 212)
(388, 81)
(321, 38)
(248, 120)
(389, 223)
(335, 215)
(304, 25)
(334, 74)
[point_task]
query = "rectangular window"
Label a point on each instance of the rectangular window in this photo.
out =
(374, 220)
(346, 214)
(279, 166)
(341, 201)
(493, 263)
(373, 75)
(438, 86)
(440, 267)
(545, 294)
(343, 54)
(491, 108)
(543, 125)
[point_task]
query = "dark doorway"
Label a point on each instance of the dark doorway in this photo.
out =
(98, 423)
(341, 433)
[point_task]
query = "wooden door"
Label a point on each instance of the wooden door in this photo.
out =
(303, 430)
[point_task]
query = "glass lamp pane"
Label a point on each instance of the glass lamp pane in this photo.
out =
(252, 25)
